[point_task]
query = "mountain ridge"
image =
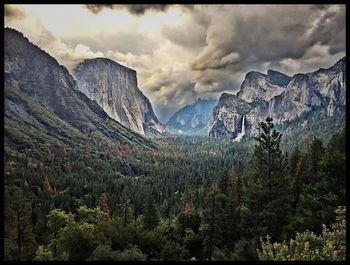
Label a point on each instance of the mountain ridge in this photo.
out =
(35, 80)
(193, 118)
(324, 88)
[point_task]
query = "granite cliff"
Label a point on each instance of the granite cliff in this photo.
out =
(281, 97)
(42, 100)
(114, 88)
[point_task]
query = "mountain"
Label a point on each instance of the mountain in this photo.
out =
(285, 99)
(114, 88)
(192, 119)
(44, 104)
(325, 88)
(260, 86)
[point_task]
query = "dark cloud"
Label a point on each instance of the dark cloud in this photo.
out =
(216, 81)
(97, 8)
(133, 9)
(170, 86)
(141, 9)
(329, 28)
(245, 38)
(184, 36)
(14, 12)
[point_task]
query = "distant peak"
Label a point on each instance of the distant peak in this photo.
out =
(274, 72)
(254, 74)
(278, 78)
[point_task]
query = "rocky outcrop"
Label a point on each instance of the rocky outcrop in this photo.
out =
(280, 97)
(114, 87)
(324, 87)
(227, 118)
(40, 93)
(192, 119)
(260, 86)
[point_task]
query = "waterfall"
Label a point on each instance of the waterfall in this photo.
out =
(243, 126)
(240, 135)
(330, 108)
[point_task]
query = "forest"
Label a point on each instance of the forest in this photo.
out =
(188, 198)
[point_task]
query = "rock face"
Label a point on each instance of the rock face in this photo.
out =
(192, 119)
(259, 86)
(114, 88)
(227, 118)
(280, 97)
(41, 94)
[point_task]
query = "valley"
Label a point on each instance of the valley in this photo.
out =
(90, 172)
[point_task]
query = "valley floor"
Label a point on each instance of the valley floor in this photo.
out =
(188, 198)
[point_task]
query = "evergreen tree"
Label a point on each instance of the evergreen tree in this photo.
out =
(216, 216)
(26, 245)
(234, 205)
(151, 214)
(267, 193)
(323, 185)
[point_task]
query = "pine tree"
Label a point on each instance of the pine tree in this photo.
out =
(323, 185)
(151, 214)
(267, 193)
(26, 243)
(216, 216)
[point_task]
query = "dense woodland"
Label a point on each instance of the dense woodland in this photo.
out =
(186, 199)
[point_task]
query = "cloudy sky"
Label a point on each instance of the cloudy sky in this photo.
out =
(183, 52)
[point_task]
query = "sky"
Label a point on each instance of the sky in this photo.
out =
(185, 52)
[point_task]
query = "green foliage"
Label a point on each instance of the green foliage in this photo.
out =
(132, 253)
(244, 249)
(321, 185)
(43, 254)
(171, 251)
(88, 215)
(105, 253)
(191, 199)
(268, 198)
(58, 219)
(330, 245)
(79, 240)
(192, 245)
(151, 215)
(20, 242)
(10, 248)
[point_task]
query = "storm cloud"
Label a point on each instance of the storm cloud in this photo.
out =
(136, 9)
(182, 52)
(243, 38)
(255, 34)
